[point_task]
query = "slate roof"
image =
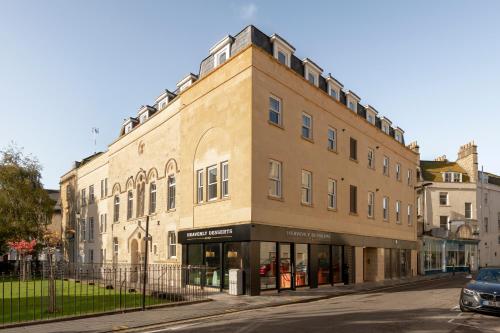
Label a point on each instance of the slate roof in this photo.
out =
(433, 170)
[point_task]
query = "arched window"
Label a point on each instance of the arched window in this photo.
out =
(130, 204)
(152, 198)
(140, 199)
(171, 192)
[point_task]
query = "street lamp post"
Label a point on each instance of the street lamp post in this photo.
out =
(145, 275)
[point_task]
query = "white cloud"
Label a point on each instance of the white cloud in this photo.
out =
(248, 11)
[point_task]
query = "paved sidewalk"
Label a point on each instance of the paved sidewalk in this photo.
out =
(221, 304)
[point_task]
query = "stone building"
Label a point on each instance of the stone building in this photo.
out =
(488, 198)
(260, 162)
(447, 213)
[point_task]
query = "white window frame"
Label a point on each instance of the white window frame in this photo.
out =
(224, 50)
(200, 182)
(172, 244)
(385, 208)
(128, 128)
(409, 177)
(352, 105)
(278, 112)
(447, 199)
(371, 158)
(91, 194)
(470, 210)
(171, 192)
(398, 171)
(306, 187)
(212, 184)
(224, 178)
(398, 212)
(152, 197)
(286, 53)
(371, 205)
(332, 193)
(386, 166)
(130, 204)
(410, 214)
(332, 142)
(304, 126)
(275, 182)
(116, 208)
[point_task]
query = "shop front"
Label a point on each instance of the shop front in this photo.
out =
(445, 255)
(274, 258)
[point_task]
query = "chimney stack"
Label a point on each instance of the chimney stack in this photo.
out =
(441, 158)
(467, 159)
(414, 147)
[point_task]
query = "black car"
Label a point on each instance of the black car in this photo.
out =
(483, 293)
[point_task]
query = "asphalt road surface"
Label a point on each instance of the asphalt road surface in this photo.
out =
(429, 306)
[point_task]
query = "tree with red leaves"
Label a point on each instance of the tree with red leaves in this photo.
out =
(23, 248)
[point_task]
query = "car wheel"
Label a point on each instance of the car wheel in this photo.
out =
(463, 308)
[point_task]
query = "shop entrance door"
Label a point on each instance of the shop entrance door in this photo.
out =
(285, 264)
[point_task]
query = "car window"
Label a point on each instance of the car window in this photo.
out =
(489, 275)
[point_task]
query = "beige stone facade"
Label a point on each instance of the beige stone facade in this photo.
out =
(448, 213)
(488, 198)
(220, 124)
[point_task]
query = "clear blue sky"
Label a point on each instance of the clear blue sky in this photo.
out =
(432, 67)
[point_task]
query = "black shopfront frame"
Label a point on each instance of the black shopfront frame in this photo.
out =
(249, 237)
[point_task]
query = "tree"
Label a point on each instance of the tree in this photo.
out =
(23, 248)
(25, 207)
(51, 242)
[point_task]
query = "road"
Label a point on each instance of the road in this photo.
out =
(429, 306)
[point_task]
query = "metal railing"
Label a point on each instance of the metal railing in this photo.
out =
(40, 292)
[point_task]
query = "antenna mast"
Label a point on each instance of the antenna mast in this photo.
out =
(95, 132)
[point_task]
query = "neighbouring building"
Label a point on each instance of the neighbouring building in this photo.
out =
(55, 224)
(488, 199)
(260, 162)
(447, 213)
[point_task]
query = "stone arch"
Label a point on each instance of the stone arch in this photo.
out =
(171, 166)
(207, 151)
(140, 177)
(116, 188)
(152, 175)
(130, 183)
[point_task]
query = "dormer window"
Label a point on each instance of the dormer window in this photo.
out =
(352, 100)
(187, 82)
(371, 114)
(144, 112)
(283, 57)
(163, 100)
(128, 125)
(334, 93)
(128, 128)
(311, 71)
(452, 177)
(282, 50)
(312, 78)
(221, 50)
(221, 56)
(398, 134)
(386, 125)
(334, 87)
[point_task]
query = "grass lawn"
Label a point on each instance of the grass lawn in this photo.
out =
(25, 301)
